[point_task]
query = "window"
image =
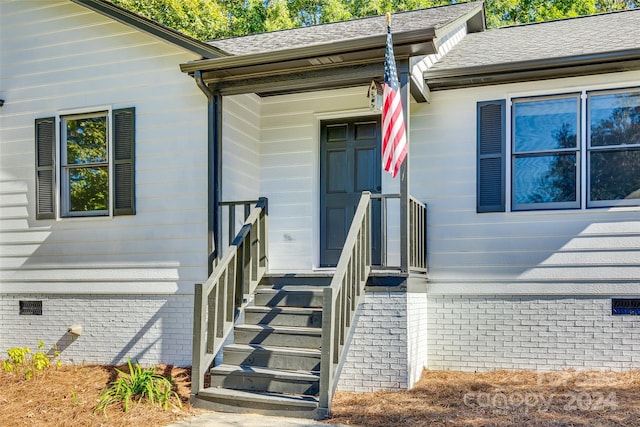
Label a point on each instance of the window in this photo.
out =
(96, 165)
(571, 151)
(85, 165)
(545, 153)
(614, 148)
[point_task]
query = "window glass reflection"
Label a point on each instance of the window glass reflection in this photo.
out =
(548, 124)
(545, 179)
(614, 175)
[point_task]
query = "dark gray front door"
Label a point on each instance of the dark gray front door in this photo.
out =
(349, 164)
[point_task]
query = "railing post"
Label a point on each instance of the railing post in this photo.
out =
(326, 363)
(198, 323)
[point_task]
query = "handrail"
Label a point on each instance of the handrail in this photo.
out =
(227, 289)
(231, 215)
(342, 297)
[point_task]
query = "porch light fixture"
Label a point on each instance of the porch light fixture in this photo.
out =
(375, 96)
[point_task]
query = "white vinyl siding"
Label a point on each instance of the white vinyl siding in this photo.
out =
(586, 247)
(57, 56)
(241, 147)
(289, 149)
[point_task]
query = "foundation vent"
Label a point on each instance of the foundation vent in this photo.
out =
(625, 306)
(31, 308)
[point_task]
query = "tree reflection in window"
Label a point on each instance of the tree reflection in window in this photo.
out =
(614, 156)
(545, 158)
(86, 167)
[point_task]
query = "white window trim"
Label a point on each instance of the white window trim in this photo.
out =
(583, 157)
(62, 198)
(568, 205)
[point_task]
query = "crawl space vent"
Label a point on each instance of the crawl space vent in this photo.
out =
(625, 306)
(31, 308)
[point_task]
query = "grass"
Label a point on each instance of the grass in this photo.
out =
(68, 396)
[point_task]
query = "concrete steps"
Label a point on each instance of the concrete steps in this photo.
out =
(273, 365)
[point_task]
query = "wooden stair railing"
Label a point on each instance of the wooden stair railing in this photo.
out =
(417, 238)
(417, 235)
(341, 299)
(234, 278)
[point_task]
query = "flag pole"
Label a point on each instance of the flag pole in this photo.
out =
(388, 19)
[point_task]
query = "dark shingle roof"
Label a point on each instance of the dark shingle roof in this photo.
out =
(602, 33)
(357, 28)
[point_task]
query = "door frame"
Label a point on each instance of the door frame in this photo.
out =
(319, 118)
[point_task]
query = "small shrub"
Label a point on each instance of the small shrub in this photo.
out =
(136, 385)
(22, 361)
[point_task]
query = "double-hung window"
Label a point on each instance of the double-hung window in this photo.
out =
(613, 144)
(86, 168)
(569, 151)
(545, 146)
(84, 165)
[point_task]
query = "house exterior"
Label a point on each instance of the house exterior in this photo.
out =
(514, 134)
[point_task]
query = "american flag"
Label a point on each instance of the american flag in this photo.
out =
(394, 138)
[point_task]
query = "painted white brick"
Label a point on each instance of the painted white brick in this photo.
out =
(529, 332)
(377, 356)
(151, 329)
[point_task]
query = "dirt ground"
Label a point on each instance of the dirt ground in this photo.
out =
(66, 396)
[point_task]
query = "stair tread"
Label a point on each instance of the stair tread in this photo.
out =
(275, 373)
(283, 309)
(264, 397)
(282, 329)
(291, 288)
(275, 349)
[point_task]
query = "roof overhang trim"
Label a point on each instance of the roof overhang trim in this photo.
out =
(409, 43)
(571, 66)
(268, 73)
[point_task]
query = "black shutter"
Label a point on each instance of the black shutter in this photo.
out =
(491, 156)
(45, 168)
(124, 135)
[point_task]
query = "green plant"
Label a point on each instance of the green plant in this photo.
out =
(23, 361)
(138, 384)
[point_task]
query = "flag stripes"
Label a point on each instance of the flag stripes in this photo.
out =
(394, 138)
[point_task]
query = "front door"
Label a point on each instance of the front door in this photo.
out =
(349, 164)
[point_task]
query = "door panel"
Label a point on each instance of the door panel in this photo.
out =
(337, 177)
(349, 164)
(339, 218)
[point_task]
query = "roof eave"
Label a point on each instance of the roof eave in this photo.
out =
(571, 66)
(151, 27)
(315, 51)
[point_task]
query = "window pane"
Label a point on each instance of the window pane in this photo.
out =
(545, 179)
(88, 189)
(547, 124)
(86, 140)
(614, 119)
(615, 175)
